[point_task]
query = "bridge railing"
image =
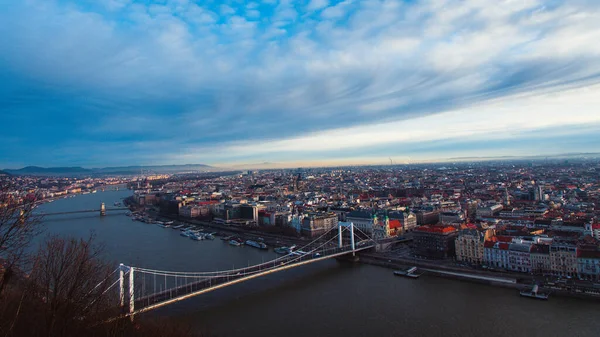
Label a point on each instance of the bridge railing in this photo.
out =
(184, 284)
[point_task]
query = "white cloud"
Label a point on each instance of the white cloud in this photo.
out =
(499, 119)
(281, 76)
(314, 5)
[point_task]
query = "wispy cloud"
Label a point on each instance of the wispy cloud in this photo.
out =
(261, 78)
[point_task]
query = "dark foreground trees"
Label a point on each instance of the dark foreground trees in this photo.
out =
(68, 293)
(18, 225)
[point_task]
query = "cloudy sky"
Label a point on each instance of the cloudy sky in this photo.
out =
(224, 82)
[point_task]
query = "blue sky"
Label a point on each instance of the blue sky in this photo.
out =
(314, 82)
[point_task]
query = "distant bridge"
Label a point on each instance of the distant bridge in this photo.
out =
(102, 211)
(144, 289)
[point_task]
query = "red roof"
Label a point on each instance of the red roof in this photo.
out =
(435, 229)
(596, 226)
(503, 245)
(489, 244)
(393, 224)
(503, 238)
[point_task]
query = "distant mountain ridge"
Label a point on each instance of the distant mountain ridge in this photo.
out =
(125, 170)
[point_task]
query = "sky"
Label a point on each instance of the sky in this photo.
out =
(99, 83)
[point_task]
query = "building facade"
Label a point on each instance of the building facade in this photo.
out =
(540, 259)
(435, 242)
(316, 224)
(563, 258)
(469, 245)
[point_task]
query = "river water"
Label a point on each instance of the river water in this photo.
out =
(321, 299)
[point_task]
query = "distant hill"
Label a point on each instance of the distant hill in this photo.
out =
(124, 170)
(34, 170)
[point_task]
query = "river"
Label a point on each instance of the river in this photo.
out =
(321, 299)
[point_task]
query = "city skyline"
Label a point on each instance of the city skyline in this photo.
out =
(311, 83)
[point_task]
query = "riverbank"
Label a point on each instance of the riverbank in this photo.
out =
(498, 279)
(273, 240)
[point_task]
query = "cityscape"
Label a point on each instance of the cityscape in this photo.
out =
(193, 168)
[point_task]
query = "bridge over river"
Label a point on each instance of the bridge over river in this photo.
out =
(143, 289)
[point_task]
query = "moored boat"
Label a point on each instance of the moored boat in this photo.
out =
(234, 243)
(196, 237)
(533, 293)
(255, 244)
(407, 273)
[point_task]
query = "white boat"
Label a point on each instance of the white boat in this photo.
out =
(285, 250)
(186, 234)
(255, 244)
(407, 273)
(533, 293)
(196, 237)
(209, 236)
(234, 243)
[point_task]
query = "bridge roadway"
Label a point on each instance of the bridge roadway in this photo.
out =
(227, 278)
(87, 211)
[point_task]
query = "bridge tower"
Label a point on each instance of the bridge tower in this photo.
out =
(102, 210)
(348, 225)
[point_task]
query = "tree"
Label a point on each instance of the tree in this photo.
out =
(18, 225)
(73, 281)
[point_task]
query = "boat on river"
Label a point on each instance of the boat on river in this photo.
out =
(234, 243)
(255, 244)
(534, 293)
(407, 273)
(196, 236)
(284, 250)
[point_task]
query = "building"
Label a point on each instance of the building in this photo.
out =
(496, 254)
(427, 217)
(434, 241)
(316, 224)
(563, 257)
(538, 193)
(386, 228)
(519, 256)
(362, 220)
(595, 231)
(588, 263)
(469, 244)
(540, 259)
(408, 220)
(189, 211)
(489, 211)
(455, 217)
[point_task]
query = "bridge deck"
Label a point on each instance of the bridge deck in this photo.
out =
(87, 211)
(218, 281)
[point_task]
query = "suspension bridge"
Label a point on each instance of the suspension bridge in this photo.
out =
(102, 211)
(143, 289)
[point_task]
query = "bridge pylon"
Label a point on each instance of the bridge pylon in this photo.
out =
(102, 209)
(349, 225)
